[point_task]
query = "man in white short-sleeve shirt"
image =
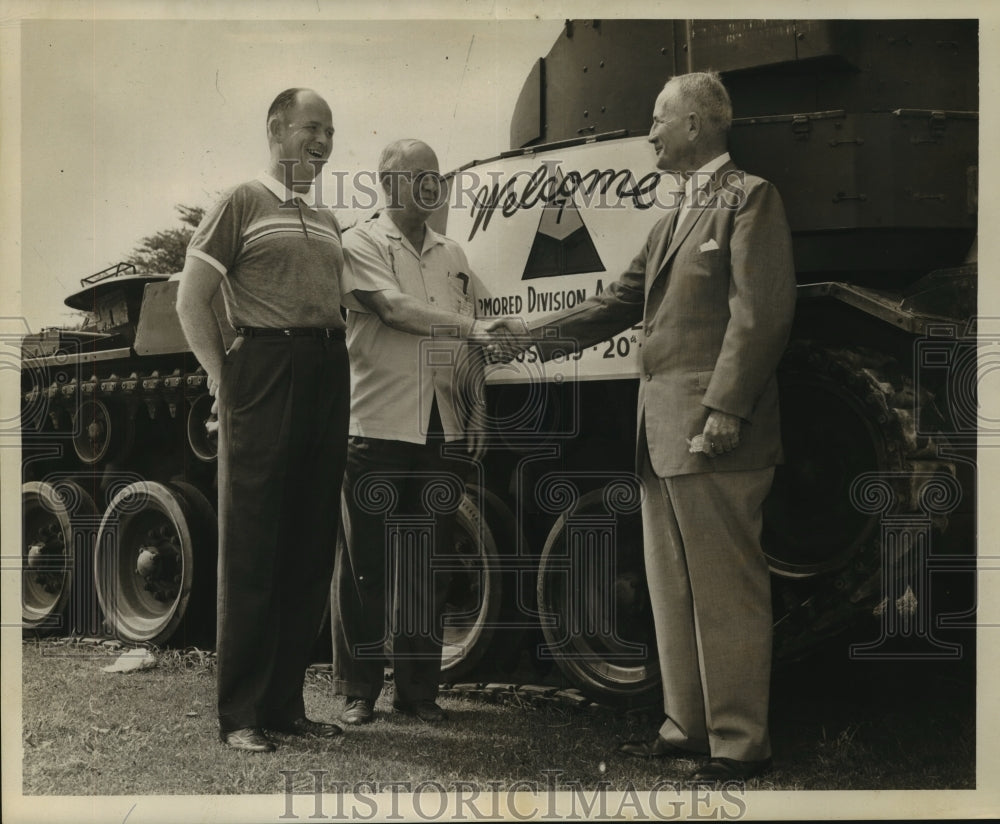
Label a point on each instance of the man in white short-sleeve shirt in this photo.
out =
(416, 412)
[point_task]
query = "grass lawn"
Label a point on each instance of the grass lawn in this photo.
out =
(836, 724)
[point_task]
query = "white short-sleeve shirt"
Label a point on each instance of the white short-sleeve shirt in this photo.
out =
(395, 376)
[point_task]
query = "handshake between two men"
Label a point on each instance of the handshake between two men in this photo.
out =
(504, 338)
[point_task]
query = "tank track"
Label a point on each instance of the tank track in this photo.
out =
(49, 409)
(131, 420)
(885, 392)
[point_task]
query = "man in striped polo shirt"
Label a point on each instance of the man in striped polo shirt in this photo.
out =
(283, 393)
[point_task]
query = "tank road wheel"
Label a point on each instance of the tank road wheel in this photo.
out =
(98, 433)
(155, 562)
(199, 620)
(594, 605)
(204, 444)
(474, 594)
(517, 604)
(50, 563)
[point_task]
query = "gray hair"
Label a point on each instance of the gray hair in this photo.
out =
(394, 154)
(704, 92)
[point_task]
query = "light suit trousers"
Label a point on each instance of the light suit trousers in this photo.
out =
(709, 588)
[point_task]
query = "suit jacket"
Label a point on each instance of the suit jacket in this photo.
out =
(716, 300)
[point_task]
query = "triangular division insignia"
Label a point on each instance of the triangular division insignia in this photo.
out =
(562, 244)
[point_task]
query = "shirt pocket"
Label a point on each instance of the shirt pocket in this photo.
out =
(462, 301)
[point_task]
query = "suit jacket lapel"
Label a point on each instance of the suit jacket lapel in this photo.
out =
(681, 232)
(658, 258)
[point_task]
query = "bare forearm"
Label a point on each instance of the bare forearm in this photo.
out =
(202, 332)
(408, 314)
(198, 285)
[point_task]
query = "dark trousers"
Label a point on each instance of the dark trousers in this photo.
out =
(284, 406)
(390, 585)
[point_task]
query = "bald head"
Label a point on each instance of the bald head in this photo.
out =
(409, 173)
(300, 136)
(406, 155)
(286, 105)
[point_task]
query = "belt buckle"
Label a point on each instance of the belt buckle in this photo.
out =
(288, 332)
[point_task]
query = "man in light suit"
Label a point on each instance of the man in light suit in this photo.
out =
(714, 286)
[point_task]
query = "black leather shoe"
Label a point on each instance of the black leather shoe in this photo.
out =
(357, 711)
(424, 710)
(656, 748)
(313, 729)
(720, 770)
(249, 739)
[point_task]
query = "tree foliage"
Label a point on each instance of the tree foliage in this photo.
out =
(163, 253)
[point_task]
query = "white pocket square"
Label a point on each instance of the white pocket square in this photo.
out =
(708, 246)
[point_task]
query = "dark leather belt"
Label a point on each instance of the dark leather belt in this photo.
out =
(292, 332)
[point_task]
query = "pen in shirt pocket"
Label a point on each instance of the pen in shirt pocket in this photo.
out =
(459, 282)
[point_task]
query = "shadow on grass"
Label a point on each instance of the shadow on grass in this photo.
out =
(836, 724)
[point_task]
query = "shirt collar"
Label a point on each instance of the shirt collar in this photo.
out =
(282, 192)
(703, 176)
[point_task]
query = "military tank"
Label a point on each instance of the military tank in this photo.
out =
(869, 131)
(118, 524)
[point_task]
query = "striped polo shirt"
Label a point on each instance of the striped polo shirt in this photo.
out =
(280, 259)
